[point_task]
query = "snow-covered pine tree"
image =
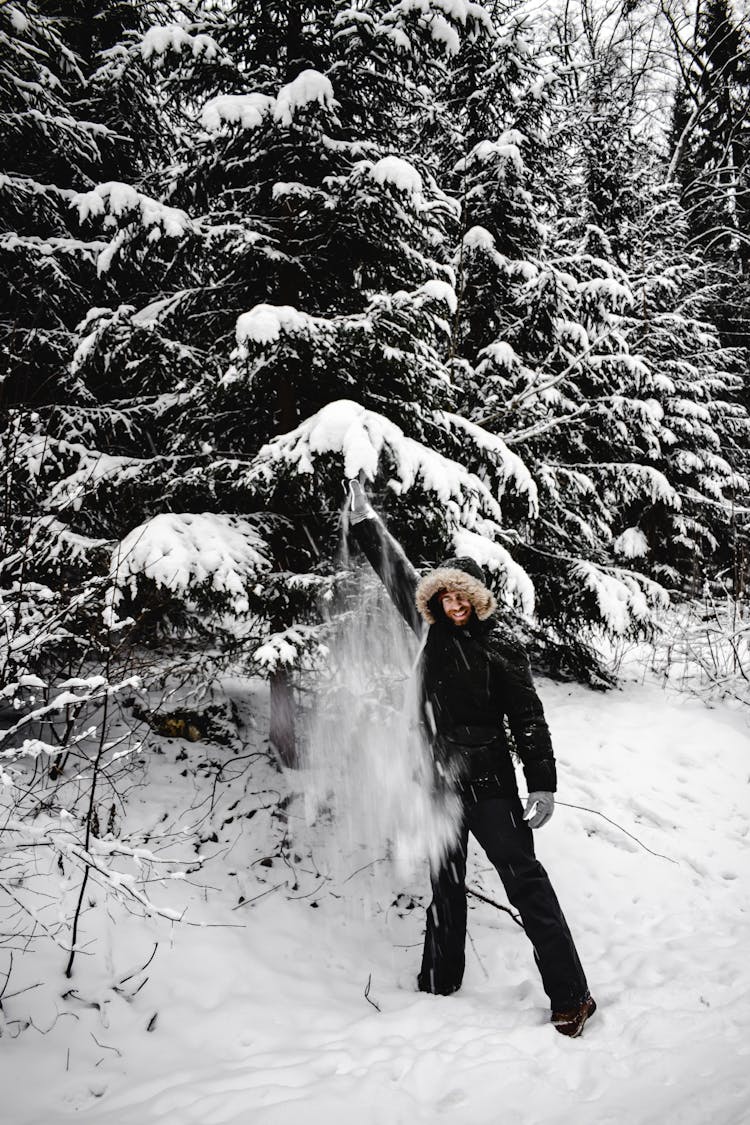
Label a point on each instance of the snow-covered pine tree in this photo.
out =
(324, 278)
(47, 154)
(331, 268)
(559, 367)
(700, 432)
(710, 151)
(74, 115)
(46, 266)
(70, 433)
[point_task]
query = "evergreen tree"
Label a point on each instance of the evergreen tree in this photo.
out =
(68, 427)
(568, 352)
(47, 153)
(325, 276)
(710, 155)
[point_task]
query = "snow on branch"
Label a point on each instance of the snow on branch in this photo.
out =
(250, 111)
(364, 439)
(183, 551)
(264, 324)
(516, 586)
(270, 324)
(246, 110)
(608, 291)
(510, 464)
(284, 649)
(116, 199)
(120, 203)
(51, 540)
(462, 12)
(631, 544)
(94, 469)
(309, 86)
(93, 689)
(635, 481)
(622, 596)
(507, 148)
(172, 37)
(396, 171)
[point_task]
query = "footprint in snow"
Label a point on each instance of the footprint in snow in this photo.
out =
(451, 1100)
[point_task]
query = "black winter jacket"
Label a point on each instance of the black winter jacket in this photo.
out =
(472, 678)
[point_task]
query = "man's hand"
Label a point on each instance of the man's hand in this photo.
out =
(359, 505)
(539, 809)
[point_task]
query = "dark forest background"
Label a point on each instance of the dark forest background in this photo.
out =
(495, 261)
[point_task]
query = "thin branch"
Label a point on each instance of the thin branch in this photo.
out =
(367, 994)
(498, 905)
(7, 978)
(595, 812)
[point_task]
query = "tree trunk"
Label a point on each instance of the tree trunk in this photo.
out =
(282, 735)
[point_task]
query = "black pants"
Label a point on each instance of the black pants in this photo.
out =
(498, 825)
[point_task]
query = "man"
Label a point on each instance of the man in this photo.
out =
(473, 676)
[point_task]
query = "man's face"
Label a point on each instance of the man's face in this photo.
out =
(456, 607)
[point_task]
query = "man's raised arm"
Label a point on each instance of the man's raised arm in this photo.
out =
(385, 555)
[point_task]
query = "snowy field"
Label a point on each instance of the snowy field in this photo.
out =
(257, 1011)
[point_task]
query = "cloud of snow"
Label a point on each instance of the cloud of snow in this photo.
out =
(367, 772)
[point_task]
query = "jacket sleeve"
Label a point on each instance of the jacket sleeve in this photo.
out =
(526, 720)
(389, 562)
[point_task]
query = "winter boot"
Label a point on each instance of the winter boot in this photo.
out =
(571, 1023)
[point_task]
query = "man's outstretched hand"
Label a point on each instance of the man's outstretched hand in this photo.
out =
(539, 809)
(359, 505)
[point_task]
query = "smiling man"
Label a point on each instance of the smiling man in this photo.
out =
(456, 607)
(474, 677)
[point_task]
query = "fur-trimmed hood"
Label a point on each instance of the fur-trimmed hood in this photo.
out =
(463, 575)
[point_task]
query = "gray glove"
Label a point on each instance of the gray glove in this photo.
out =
(359, 505)
(539, 809)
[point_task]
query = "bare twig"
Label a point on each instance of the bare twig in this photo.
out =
(7, 978)
(498, 905)
(476, 954)
(135, 972)
(263, 894)
(367, 994)
(364, 867)
(595, 812)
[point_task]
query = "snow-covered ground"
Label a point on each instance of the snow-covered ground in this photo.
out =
(256, 1012)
